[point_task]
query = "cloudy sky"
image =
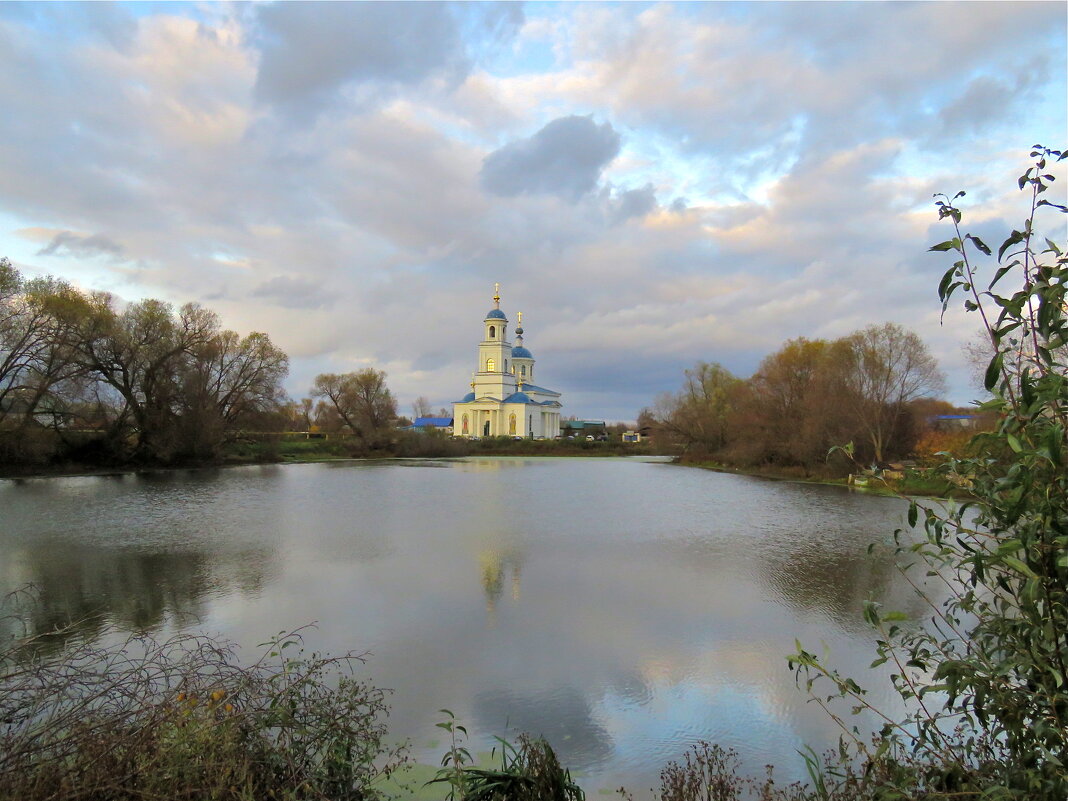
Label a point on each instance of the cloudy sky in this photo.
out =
(651, 184)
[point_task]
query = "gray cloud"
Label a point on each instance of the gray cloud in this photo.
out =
(294, 293)
(564, 158)
(310, 50)
(633, 203)
(70, 244)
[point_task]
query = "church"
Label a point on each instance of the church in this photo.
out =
(504, 401)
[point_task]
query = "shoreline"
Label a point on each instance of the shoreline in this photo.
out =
(8, 473)
(882, 489)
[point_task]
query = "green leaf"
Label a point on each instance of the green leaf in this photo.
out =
(949, 244)
(1019, 566)
(979, 243)
(1014, 443)
(1057, 206)
(993, 371)
(943, 286)
(1015, 238)
(999, 275)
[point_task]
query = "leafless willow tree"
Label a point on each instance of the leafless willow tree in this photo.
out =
(172, 384)
(421, 408)
(361, 400)
(888, 366)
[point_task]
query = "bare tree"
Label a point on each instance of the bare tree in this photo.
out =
(141, 352)
(888, 367)
(225, 381)
(361, 399)
(421, 408)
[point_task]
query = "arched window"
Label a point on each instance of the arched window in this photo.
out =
(506, 365)
(490, 365)
(493, 332)
(511, 424)
(523, 369)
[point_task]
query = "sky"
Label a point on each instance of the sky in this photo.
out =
(651, 184)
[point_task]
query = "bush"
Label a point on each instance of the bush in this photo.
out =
(181, 718)
(988, 679)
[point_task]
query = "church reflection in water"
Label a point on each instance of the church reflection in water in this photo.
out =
(498, 568)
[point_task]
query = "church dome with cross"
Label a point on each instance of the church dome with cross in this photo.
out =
(504, 400)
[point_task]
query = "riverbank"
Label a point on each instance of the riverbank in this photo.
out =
(912, 484)
(308, 451)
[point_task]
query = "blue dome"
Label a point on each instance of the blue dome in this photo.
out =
(470, 396)
(519, 352)
(517, 397)
(495, 314)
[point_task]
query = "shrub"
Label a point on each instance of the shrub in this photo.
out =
(988, 678)
(182, 718)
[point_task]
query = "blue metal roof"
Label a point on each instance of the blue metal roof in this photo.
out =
(436, 422)
(495, 314)
(519, 352)
(470, 396)
(517, 397)
(542, 390)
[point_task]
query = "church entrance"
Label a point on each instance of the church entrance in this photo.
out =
(485, 429)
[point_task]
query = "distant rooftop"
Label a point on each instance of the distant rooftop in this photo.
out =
(432, 422)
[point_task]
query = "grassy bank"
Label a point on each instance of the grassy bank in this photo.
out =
(912, 483)
(294, 449)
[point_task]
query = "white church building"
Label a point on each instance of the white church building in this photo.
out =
(504, 400)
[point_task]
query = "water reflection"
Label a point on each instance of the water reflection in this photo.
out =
(564, 716)
(496, 565)
(528, 594)
(79, 591)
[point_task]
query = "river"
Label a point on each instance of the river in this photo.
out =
(621, 607)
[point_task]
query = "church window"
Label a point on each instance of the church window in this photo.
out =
(511, 424)
(506, 365)
(524, 370)
(490, 364)
(493, 332)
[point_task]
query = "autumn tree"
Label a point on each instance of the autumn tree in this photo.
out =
(698, 415)
(361, 400)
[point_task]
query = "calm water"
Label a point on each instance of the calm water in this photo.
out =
(621, 607)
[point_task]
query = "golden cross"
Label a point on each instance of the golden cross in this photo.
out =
(520, 318)
(497, 293)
